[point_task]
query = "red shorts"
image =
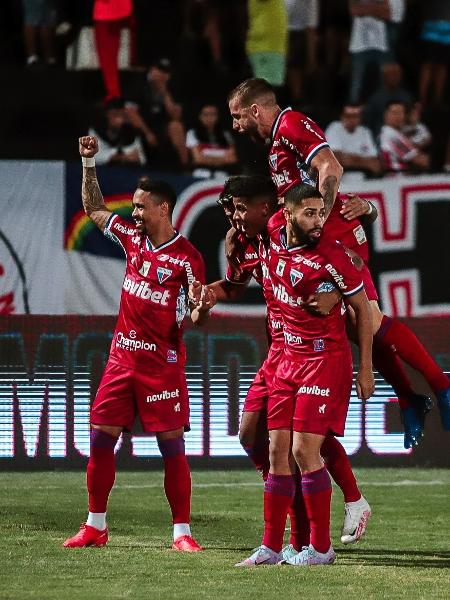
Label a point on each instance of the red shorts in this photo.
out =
(312, 395)
(161, 401)
(369, 286)
(258, 392)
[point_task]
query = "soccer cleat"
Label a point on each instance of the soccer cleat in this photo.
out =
(309, 557)
(87, 536)
(443, 398)
(261, 556)
(356, 517)
(287, 552)
(186, 543)
(413, 418)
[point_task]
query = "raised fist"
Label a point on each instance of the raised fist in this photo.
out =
(88, 146)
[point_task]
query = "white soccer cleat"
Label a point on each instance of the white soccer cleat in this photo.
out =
(357, 515)
(287, 552)
(309, 557)
(261, 556)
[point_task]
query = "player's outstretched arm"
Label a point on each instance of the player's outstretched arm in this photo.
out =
(365, 383)
(91, 194)
(330, 172)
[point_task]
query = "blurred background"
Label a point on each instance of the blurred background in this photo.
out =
(150, 79)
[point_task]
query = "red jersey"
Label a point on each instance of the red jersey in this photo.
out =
(149, 330)
(252, 259)
(351, 234)
(297, 273)
(246, 255)
(295, 141)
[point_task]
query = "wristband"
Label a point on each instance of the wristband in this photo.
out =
(88, 161)
(370, 211)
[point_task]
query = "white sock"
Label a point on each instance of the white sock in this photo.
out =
(180, 529)
(97, 520)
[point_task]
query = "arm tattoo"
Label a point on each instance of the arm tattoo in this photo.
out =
(328, 190)
(92, 198)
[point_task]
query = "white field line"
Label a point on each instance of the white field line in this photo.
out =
(125, 486)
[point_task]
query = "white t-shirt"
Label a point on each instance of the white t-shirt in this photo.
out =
(359, 141)
(417, 133)
(302, 14)
(208, 149)
(368, 33)
(397, 10)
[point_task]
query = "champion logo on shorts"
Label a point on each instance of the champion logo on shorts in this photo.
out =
(177, 407)
(322, 409)
(172, 356)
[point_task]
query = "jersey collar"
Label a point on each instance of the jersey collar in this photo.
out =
(149, 246)
(277, 122)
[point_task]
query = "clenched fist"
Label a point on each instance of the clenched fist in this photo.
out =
(88, 146)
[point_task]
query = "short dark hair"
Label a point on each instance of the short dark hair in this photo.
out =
(299, 192)
(161, 189)
(251, 187)
(251, 90)
(393, 101)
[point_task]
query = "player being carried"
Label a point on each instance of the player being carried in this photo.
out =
(310, 393)
(145, 371)
(299, 152)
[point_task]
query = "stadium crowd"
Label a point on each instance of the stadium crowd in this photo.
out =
(378, 68)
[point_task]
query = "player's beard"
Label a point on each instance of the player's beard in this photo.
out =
(303, 237)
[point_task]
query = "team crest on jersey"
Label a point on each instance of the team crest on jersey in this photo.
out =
(163, 274)
(280, 267)
(273, 160)
(145, 268)
(296, 276)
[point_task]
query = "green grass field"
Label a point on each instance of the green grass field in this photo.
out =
(405, 553)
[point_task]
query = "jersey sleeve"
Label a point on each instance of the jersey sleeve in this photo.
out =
(119, 230)
(343, 273)
(304, 134)
(195, 267)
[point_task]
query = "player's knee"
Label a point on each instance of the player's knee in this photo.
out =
(109, 429)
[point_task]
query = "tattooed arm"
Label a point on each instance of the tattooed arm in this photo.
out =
(330, 173)
(91, 194)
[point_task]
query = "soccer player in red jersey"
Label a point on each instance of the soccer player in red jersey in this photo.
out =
(311, 390)
(299, 152)
(254, 203)
(145, 369)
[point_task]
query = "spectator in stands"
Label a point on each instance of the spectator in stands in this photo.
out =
(211, 148)
(398, 151)
(110, 17)
(267, 40)
(303, 19)
(119, 142)
(394, 25)
(415, 130)
(154, 112)
(435, 37)
(39, 31)
(352, 143)
(390, 90)
(369, 44)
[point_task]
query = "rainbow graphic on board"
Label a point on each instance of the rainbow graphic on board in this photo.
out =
(80, 225)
